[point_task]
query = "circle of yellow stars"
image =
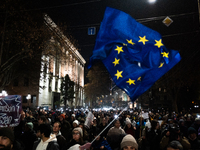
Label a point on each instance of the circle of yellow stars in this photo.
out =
(119, 50)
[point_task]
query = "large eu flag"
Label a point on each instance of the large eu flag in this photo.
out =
(133, 54)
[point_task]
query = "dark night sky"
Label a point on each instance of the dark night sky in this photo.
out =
(81, 14)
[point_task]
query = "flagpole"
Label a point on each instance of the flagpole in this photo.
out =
(112, 121)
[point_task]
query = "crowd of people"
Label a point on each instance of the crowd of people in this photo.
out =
(57, 130)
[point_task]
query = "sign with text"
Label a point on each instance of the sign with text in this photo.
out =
(10, 110)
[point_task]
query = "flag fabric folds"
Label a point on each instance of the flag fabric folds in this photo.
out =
(133, 54)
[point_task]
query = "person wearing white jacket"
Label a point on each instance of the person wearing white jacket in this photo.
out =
(48, 141)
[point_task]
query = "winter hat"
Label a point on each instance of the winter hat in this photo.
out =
(79, 129)
(129, 140)
(8, 132)
(74, 147)
(148, 124)
(30, 125)
(76, 121)
(128, 121)
(62, 115)
(191, 130)
(175, 145)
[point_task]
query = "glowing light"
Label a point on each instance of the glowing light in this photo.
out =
(151, 1)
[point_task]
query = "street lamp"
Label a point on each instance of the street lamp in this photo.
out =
(151, 1)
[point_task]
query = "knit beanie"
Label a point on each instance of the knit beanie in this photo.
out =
(128, 121)
(74, 147)
(79, 129)
(30, 125)
(8, 132)
(129, 140)
(62, 115)
(191, 130)
(76, 121)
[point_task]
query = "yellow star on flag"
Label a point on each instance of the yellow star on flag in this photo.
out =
(124, 44)
(165, 54)
(119, 74)
(143, 39)
(119, 49)
(116, 61)
(161, 64)
(130, 81)
(130, 41)
(139, 79)
(158, 43)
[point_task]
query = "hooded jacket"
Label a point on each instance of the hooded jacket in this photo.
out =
(50, 144)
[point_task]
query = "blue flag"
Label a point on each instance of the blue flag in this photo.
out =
(133, 54)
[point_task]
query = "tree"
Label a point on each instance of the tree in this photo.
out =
(67, 90)
(99, 82)
(25, 37)
(186, 73)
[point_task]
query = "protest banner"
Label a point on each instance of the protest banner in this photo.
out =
(10, 110)
(89, 119)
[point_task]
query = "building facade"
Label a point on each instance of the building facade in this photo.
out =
(45, 90)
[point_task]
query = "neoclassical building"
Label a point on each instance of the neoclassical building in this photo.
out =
(53, 68)
(59, 57)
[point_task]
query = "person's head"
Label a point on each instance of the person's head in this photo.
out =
(128, 122)
(174, 145)
(129, 143)
(42, 119)
(73, 117)
(29, 126)
(192, 133)
(75, 123)
(56, 127)
(104, 120)
(62, 117)
(117, 123)
(44, 130)
(6, 138)
(154, 125)
(77, 133)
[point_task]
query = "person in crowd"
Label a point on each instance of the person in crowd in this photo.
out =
(183, 127)
(42, 120)
(75, 124)
(73, 118)
(77, 138)
(100, 142)
(7, 140)
(65, 127)
(60, 139)
(154, 135)
(174, 145)
(18, 130)
(192, 137)
(46, 142)
(128, 128)
(142, 141)
(174, 134)
(129, 143)
(102, 126)
(85, 133)
(28, 137)
(115, 135)
(196, 124)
